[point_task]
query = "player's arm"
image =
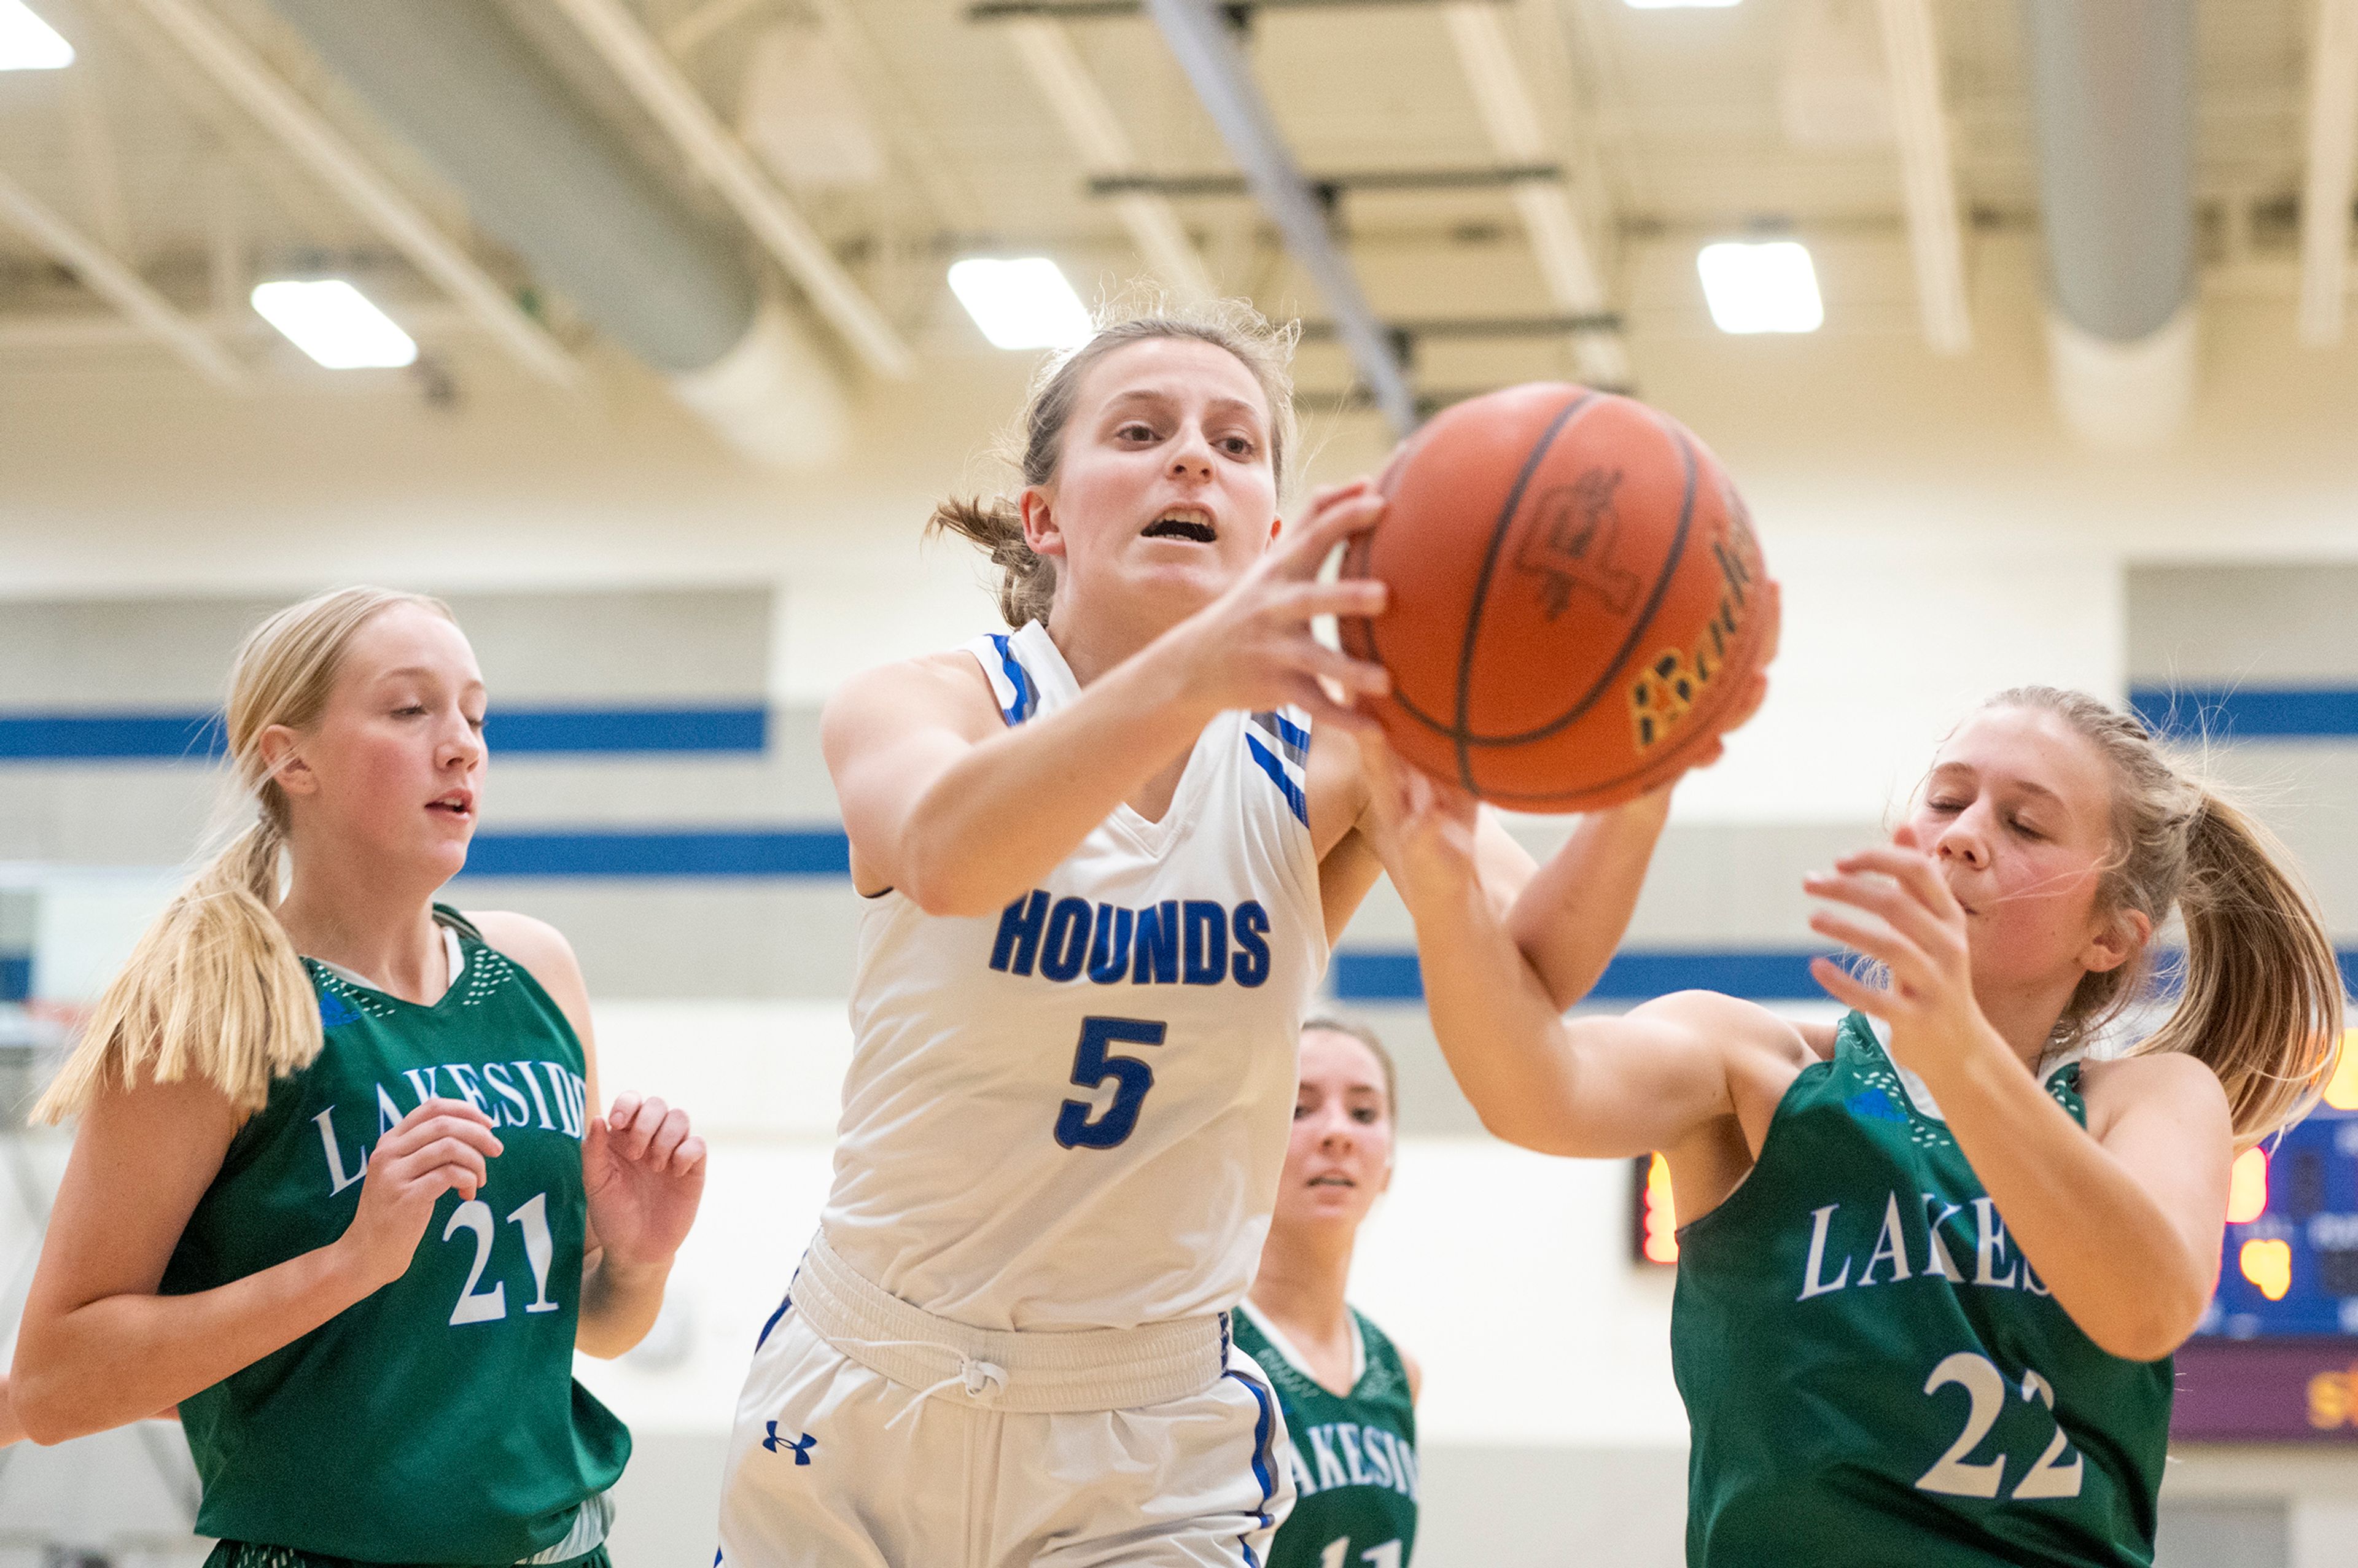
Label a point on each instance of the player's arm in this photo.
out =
(2122, 1219)
(99, 1346)
(1593, 1087)
(642, 1166)
(1349, 863)
(961, 813)
(1573, 911)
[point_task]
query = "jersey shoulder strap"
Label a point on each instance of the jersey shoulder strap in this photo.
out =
(458, 923)
(1011, 685)
(1386, 1374)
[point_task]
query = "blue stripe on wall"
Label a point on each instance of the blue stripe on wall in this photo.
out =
(16, 976)
(58, 737)
(1378, 975)
(1391, 976)
(2249, 713)
(87, 736)
(670, 852)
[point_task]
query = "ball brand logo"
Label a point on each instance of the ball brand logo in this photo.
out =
(1669, 687)
(1572, 544)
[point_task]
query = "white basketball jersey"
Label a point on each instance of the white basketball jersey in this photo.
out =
(1072, 1113)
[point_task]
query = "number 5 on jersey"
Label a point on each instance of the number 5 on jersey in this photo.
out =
(1093, 1066)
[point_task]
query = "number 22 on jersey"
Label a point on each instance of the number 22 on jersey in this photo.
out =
(1984, 1385)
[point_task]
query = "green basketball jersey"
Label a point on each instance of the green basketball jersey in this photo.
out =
(1353, 1456)
(1875, 1376)
(437, 1421)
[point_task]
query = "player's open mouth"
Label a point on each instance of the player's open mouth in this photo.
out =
(1332, 1182)
(459, 804)
(1187, 523)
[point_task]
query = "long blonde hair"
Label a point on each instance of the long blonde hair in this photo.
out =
(214, 989)
(2260, 996)
(1028, 581)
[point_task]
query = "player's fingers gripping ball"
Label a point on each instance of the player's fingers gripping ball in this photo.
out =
(1579, 603)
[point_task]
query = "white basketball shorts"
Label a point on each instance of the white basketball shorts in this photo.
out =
(870, 1435)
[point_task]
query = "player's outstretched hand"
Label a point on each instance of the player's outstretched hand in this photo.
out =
(444, 1145)
(1251, 648)
(642, 1170)
(1423, 829)
(1916, 931)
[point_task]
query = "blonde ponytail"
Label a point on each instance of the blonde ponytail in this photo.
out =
(2261, 1000)
(2260, 991)
(214, 991)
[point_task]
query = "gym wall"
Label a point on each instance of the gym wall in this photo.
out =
(1937, 542)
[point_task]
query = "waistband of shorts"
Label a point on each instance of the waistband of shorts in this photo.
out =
(1032, 1373)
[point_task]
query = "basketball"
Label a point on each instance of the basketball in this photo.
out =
(1575, 598)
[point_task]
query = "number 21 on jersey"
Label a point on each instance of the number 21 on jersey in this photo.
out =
(539, 1249)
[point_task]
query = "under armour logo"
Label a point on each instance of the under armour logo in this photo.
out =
(775, 1445)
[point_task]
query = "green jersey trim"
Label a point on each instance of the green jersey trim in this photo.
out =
(1267, 1328)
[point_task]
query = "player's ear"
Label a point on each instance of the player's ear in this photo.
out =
(284, 763)
(2116, 941)
(1040, 529)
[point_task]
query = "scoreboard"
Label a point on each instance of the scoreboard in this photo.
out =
(2276, 1358)
(2292, 1262)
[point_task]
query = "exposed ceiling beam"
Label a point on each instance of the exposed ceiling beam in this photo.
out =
(655, 81)
(1105, 150)
(1465, 328)
(1512, 120)
(699, 27)
(77, 330)
(1911, 58)
(1182, 187)
(234, 67)
(97, 163)
(2326, 190)
(904, 120)
(114, 282)
(1198, 34)
(1104, 10)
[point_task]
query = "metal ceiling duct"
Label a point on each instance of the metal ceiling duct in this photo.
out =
(2113, 94)
(540, 171)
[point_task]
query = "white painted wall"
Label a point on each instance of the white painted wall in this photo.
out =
(1938, 535)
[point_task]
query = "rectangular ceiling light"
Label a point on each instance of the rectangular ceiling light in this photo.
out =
(27, 43)
(1761, 288)
(1022, 304)
(335, 324)
(1678, 5)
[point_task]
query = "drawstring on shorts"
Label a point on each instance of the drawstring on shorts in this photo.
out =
(1002, 1369)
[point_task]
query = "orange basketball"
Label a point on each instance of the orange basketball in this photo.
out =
(1575, 598)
